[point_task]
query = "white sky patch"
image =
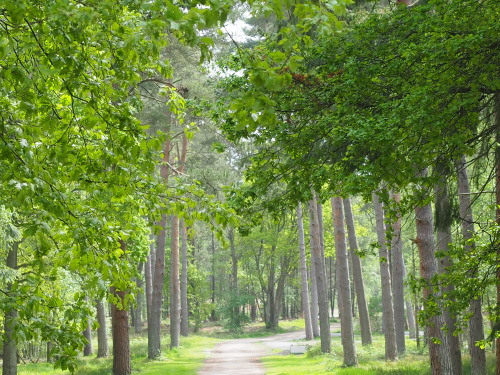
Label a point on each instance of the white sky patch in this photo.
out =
(237, 30)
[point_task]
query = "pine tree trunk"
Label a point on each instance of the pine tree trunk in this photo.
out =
(278, 296)
(411, 319)
(184, 282)
(346, 320)
(397, 279)
(497, 216)
(121, 343)
(391, 352)
(440, 362)
(175, 290)
(476, 324)
(158, 272)
(138, 300)
(321, 232)
(303, 273)
(87, 333)
(444, 238)
(154, 323)
(212, 279)
(234, 269)
(148, 278)
(314, 288)
(364, 317)
(324, 328)
(9, 354)
(102, 333)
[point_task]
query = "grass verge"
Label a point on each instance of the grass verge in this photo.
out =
(184, 360)
(371, 361)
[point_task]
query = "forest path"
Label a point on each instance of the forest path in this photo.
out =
(243, 356)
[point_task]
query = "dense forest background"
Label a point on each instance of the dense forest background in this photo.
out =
(178, 163)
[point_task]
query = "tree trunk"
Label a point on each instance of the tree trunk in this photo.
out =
(87, 349)
(270, 296)
(234, 269)
(412, 327)
(364, 317)
(278, 295)
(497, 214)
(439, 361)
(212, 279)
(9, 354)
(175, 290)
(321, 232)
(324, 329)
(148, 278)
(303, 273)
(476, 325)
(49, 352)
(444, 238)
(121, 343)
(154, 323)
(346, 320)
(397, 279)
(138, 300)
(391, 352)
(314, 288)
(102, 333)
(184, 282)
(158, 272)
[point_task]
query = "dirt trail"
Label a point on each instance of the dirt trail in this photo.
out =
(243, 356)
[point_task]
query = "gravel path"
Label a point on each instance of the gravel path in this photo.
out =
(243, 356)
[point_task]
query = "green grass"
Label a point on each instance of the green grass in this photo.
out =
(180, 361)
(187, 359)
(370, 361)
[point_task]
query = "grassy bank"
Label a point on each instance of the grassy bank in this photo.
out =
(371, 361)
(180, 361)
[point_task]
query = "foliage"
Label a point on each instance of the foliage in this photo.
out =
(231, 312)
(198, 296)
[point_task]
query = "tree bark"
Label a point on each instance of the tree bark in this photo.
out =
(121, 343)
(497, 217)
(87, 349)
(9, 354)
(364, 317)
(397, 279)
(175, 291)
(234, 269)
(440, 362)
(303, 273)
(444, 238)
(391, 352)
(138, 300)
(102, 333)
(184, 282)
(324, 329)
(158, 272)
(314, 288)
(412, 327)
(346, 319)
(212, 279)
(148, 278)
(154, 323)
(476, 324)
(321, 232)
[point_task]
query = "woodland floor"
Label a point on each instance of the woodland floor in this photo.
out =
(243, 356)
